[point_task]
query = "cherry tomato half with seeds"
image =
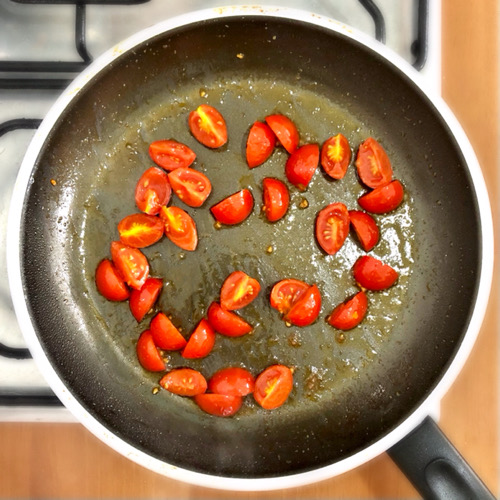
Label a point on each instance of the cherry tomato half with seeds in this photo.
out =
(260, 144)
(349, 313)
(140, 230)
(373, 274)
(170, 154)
(148, 354)
(110, 283)
(191, 187)
(273, 386)
(383, 199)
(226, 322)
(152, 191)
(180, 228)
(336, 156)
(235, 208)
(301, 165)
(365, 227)
(184, 382)
(200, 342)
(373, 165)
(233, 381)
(141, 301)
(285, 130)
(305, 310)
(208, 126)
(165, 335)
(332, 227)
(219, 405)
(131, 263)
(286, 293)
(238, 290)
(276, 199)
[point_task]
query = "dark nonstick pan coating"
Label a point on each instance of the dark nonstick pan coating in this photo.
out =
(347, 394)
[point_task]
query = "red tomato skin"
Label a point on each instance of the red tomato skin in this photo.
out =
(336, 156)
(285, 131)
(286, 293)
(170, 154)
(141, 301)
(219, 405)
(365, 227)
(306, 310)
(152, 191)
(110, 283)
(260, 144)
(191, 186)
(201, 341)
(334, 218)
(273, 386)
(233, 381)
(276, 199)
(140, 230)
(208, 126)
(180, 228)
(184, 382)
(383, 199)
(234, 209)
(349, 313)
(148, 354)
(373, 165)
(226, 322)
(131, 263)
(238, 290)
(373, 274)
(165, 335)
(301, 165)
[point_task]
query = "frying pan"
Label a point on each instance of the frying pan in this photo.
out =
(355, 396)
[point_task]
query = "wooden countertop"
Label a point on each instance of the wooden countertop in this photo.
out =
(66, 461)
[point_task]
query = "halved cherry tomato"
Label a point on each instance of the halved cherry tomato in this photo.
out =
(131, 263)
(152, 191)
(373, 274)
(336, 156)
(140, 230)
(208, 126)
(285, 130)
(184, 382)
(383, 199)
(200, 342)
(191, 186)
(219, 405)
(349, 313)
(260, 144)
(141, 301)
(305, 310)
(373, 164)
(276, 199)
(148, 354)
(365, 227)
(301, 165)
(180, 227)
(234, 381)
(165, 335)
(238, 290)
(273, 386)
(235, 208)
(286, 293)
(170, 154)
(226, 322)
(332, 227)
(110, 283)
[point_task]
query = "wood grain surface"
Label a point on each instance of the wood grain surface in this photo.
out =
(66, 461)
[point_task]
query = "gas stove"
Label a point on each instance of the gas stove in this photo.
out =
(44, 44)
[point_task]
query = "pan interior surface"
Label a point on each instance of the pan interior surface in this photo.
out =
(348, 390)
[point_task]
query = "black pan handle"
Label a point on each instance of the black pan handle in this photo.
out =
(435, 467)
